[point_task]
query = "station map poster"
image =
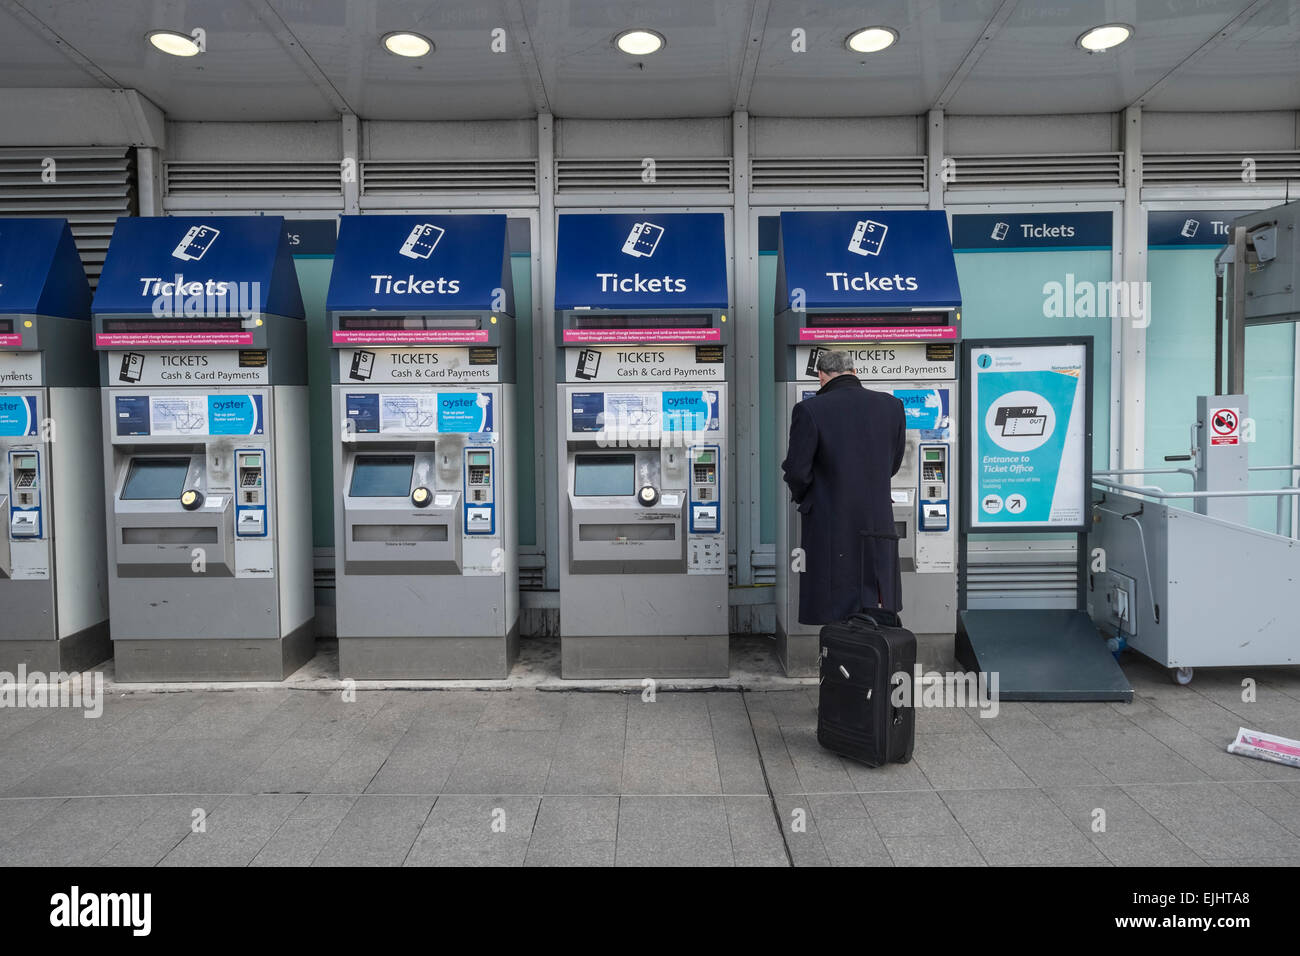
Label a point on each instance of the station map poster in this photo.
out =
(1029, 434)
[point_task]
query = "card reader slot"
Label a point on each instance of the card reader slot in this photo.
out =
(169, 535)
(627, 532)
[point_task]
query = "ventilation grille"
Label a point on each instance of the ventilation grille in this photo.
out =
(88, 187)
(383, 176)
(202, 178)
(1054, 170)
(532, 578)
(600, 175)
(1021, 579)
(1175, 169)
(857, 172)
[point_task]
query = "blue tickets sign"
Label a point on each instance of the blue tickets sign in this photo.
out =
(653, 260)
(869, 259)
(1018, 232)
(40, 271)
(1191, 228)
(214, 265)
(422, 263)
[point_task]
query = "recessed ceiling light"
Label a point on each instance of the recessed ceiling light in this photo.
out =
(1102, 38)
(177, 44)
(402, 43)
(639, 42)
(871, 39)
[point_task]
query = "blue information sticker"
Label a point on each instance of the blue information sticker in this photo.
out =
(587, 411)
(235, 415)
(132, 414)
(459, 412)
(362, 411)
(692, 411)
(17, 415)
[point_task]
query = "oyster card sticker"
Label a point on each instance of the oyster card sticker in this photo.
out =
(17, 415)
(1027, 465)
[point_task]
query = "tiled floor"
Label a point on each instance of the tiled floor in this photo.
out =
(507, 777)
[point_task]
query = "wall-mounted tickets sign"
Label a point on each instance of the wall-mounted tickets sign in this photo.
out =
(1028, 434)
(1018, 232)
(1191, 228)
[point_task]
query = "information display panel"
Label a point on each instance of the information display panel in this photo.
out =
(1028, 434)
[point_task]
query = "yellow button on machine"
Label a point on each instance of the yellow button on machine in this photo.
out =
(191, 499)
(420, 497)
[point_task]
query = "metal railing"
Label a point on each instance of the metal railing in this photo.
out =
(1105, 479)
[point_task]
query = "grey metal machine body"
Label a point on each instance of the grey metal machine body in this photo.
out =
(643, 466)
(53, 584)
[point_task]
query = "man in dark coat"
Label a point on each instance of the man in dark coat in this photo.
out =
(846, 443)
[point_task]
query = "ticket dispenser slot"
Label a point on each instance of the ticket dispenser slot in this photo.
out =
(166, 521)
(625, 517)
(25, 513)
(398, 516)
(932, 494)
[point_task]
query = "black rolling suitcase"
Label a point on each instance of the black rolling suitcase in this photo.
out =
(860, 657)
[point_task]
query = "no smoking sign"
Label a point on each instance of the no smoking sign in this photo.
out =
(1225, 426)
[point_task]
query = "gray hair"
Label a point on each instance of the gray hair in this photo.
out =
(833, 363)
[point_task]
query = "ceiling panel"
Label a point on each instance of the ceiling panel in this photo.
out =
(306, 59)
(1033, 66)
(830, 80)
(246, 74)
(695, 74)
(29, 59)
(1256, 68)
(462, 79)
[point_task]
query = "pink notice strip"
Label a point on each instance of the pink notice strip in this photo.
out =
(909, 333)
(409, 336)
(615, 336)
(170, 339)
(15, 338)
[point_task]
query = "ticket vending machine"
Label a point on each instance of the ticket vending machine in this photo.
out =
(883, 287)
(641, 306)
(421, 310)
(202, 360)
(52, 578)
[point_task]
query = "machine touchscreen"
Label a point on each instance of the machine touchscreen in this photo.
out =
(382, 476)
(154, 479)
(604, 475)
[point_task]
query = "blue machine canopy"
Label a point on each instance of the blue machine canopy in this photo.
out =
(214, 257)
(40, 270)
(422, 264)
(897, 260)
(641, 261)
